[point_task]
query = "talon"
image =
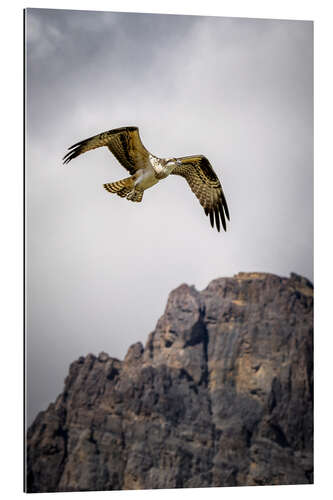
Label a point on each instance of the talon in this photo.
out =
(131, 195)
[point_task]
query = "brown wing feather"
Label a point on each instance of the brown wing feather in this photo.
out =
(206, 186)
(124, 143)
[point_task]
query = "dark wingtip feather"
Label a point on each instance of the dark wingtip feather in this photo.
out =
(74, 151)
(227, 212)
(76, 145)
(225, 206)
(222, 217)
(71, 155)
(217, 219)
(80, 143)
(211, 216)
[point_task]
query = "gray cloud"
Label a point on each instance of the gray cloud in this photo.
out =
(100, 268)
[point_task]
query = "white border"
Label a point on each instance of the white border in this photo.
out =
(11, 241)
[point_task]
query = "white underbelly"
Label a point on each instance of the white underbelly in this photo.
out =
(145, 179)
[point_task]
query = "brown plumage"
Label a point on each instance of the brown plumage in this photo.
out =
(124, 143)
(206, 186)
(147, 169)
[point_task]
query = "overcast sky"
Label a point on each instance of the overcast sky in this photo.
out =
(100, 268)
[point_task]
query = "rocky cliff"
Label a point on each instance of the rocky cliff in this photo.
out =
(221, 395)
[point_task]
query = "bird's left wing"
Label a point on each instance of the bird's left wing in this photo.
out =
(124, 143)
(206, 186)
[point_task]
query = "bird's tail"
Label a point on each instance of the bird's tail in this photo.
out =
(125, 187)
(121, 188)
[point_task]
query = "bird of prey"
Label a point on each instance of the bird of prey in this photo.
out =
(147, 170)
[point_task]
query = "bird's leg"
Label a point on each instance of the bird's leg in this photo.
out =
(131, 194)
(135, 195)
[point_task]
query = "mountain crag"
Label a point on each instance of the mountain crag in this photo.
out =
(221, 395)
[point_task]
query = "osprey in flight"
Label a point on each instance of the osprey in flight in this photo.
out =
(147, 169)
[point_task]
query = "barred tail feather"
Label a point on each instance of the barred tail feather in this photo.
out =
(122, 187)
(125, 188)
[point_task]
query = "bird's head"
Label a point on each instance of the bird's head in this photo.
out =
(173, 162)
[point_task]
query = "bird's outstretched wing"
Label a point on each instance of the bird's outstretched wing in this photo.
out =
(124, 143)
(206, 186)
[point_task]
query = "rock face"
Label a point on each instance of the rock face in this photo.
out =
(221, 395)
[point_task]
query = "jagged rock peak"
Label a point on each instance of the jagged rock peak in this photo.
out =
(134, 353)
(221, 395)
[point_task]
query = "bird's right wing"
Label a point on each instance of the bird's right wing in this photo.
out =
(124, 143)
(206, 186)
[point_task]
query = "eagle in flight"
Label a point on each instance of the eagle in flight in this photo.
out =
(147, 170)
